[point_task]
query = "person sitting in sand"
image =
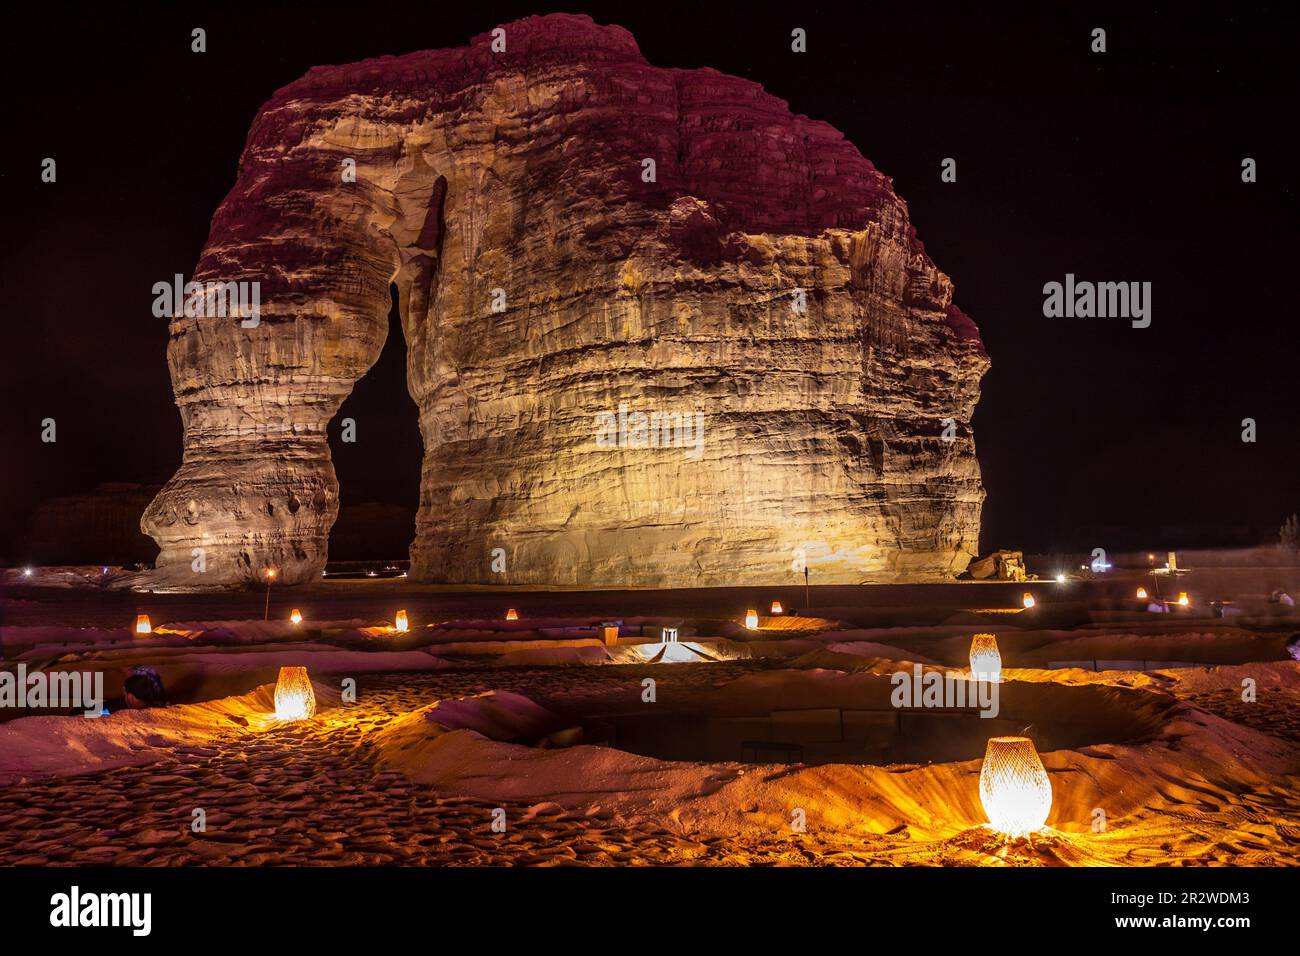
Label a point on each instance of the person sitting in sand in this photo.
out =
(142, 688)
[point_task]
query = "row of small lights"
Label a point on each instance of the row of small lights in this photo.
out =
(401, 621)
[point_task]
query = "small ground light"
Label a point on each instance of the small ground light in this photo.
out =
(1014, 787)
(777, 608)
(295, 699)
(1183, 599)
(27, 572)
(751, 619)
(1029, 600)
(1142, 594)
(985, 659)
(512, 615)
(400, 622)
(1060, 579)
(296, 616)
(142, 624)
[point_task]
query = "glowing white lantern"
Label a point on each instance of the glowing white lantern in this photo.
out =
(1183, 599)
(295, 616)
(1029, 600)
(294, 697)
(777, 608)
(512, 615)
(142, 625)
(1142, 594)
(985, 661)
(751, 619)
(400, 622)
(1014, 787)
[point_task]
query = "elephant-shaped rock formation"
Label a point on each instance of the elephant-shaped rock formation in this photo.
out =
(661, 332)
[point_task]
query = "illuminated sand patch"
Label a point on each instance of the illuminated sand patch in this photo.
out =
(1172, 783)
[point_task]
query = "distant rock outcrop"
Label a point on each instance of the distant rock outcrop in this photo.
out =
(590, 252)
(100, 527)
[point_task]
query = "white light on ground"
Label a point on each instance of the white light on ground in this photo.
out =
(1014, 787)
(295, 699)
(985, 660)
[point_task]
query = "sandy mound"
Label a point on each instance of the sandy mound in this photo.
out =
(33, 747)
(1176, 755)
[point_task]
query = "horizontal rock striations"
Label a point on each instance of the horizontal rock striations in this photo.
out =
(587, 250)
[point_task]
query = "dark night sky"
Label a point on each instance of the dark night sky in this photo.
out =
(1122, 166)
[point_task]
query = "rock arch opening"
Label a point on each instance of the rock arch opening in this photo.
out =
(375, 445)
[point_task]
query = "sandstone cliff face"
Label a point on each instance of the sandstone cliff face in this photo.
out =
(515, 180)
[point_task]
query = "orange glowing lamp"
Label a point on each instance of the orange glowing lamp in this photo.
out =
(1029, 600)
(400, 622)
(295, 616)
(1142, 594)
(1183, 599)
(1014, 787)
(512, 615)
(751, 619)
(777, 608)
(294, 697)
(142, 624)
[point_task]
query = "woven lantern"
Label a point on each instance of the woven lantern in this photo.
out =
(1029, 600)
(1014, 787)
(294, 697)
(751, 619)
(142, 625)
(512, 615)
(400, 622)
(985, 661)
(777, 608)
(295, 616)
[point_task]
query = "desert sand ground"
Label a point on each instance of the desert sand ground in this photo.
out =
(412, 772)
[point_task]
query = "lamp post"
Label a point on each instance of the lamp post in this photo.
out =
(266, 608)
